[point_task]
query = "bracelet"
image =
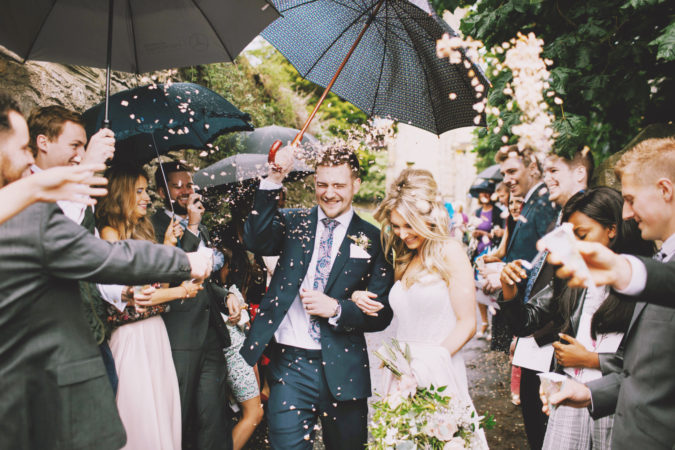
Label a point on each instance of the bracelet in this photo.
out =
(187, 293)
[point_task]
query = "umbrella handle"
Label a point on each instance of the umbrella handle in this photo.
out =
(276, 145)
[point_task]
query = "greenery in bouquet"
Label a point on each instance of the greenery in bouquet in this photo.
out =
(415, 417)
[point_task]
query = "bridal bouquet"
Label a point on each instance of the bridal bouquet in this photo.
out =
(414, 417)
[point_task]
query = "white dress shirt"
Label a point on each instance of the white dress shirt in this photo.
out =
(294, 328)
(638, 280)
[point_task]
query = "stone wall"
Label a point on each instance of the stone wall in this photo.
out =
(42, 83)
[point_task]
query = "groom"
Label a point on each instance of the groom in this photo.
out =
(312, 330)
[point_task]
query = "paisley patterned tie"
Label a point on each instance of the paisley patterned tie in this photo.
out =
(323, 266)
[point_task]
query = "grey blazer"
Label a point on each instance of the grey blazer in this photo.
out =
(642, 394)
(54, 392)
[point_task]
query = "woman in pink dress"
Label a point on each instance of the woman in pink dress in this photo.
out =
(147, 397)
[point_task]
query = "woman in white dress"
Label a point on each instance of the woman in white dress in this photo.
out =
(434, 296)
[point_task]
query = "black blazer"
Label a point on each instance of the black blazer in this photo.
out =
(642, 392)
(538, 213)
(188, 320)
(54, 391)
(290, 234)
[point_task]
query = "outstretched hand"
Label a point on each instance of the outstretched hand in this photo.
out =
(572, 394)
(605, 266)
(282, 166)
(364, 300)
(72, 183)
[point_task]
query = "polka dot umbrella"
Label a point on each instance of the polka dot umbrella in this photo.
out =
(380, 55)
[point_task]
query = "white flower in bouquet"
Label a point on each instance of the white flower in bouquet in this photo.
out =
(456, 443)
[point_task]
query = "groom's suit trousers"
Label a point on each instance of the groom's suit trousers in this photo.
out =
(298, 397)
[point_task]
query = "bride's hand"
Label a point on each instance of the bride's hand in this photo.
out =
(363, 300)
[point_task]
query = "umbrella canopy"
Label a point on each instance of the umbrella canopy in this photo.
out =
(240, 168)
(491, 173)
(394, 71)
(147, 35)
(261, 139)
(157, 118)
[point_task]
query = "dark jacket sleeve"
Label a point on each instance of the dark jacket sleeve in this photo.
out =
(265, 227)
(660, 287)
(526, 318)
(71, 252)
(381, 280)
(605, 394)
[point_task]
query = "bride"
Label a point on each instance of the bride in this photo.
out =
(434, 295)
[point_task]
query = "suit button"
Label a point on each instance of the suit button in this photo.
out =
(167, 309)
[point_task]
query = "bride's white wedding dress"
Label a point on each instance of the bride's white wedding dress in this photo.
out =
(425, 319)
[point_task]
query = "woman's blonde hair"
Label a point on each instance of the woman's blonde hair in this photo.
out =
(116, 209)
(414, 195)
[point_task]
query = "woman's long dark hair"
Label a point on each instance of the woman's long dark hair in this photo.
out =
(604, 205)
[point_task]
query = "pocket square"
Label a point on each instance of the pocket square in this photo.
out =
(357, 252)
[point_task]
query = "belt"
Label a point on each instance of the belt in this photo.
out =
(297, 351)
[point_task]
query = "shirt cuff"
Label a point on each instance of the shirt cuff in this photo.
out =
(267, 185)
(334, 320)
(112, 293)
(638, 280)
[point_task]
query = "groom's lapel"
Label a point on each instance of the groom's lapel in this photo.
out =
(308, 236)
(343, 253)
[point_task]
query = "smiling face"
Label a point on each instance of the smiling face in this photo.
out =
(587, 229)
(65, 150)
(561, 180)
(180, 189)
(335, 188)
(517, 177)
(645, 201)
(404, 231)
(142, 197)
(16, 156)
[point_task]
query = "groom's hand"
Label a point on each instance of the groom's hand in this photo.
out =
(318, 304)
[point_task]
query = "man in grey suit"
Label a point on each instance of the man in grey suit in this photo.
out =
(54, 392)
(642, 394)
(196, 328)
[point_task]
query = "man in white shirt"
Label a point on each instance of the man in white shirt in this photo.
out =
(58, 138)
(318, 357)
(641, 395)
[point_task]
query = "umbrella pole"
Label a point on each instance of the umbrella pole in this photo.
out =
(277, 144)
(111, 7)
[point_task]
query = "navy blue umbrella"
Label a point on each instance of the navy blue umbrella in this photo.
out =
(391, 68)
(155, 119)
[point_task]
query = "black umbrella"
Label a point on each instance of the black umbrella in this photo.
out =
(139, 35)
(155, 119)
(384, 52)
(482, 185)
(491, 173)
(261, 139)
(240, 168)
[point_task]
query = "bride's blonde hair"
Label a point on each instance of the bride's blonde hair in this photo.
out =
(414, 195)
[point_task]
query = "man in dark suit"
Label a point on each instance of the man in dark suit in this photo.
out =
(54, 392)
(196, 328)
(313, 331)
(641, 394)
(563, 177)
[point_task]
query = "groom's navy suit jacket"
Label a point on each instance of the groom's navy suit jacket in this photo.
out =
(290, 234)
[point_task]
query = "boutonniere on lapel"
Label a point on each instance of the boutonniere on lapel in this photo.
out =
(359, 249)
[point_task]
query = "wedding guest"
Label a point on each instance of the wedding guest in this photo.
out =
(522, 175)
(591, 322)
(53, 386)
(564, 177)
(640, 392)
(58, 138)
(241, 378)
(196, 329)
(147, 398)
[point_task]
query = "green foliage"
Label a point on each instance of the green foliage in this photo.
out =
(373, 176)
(612, 65)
